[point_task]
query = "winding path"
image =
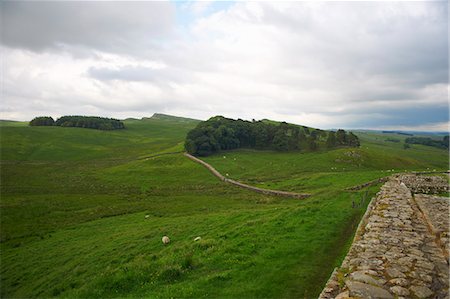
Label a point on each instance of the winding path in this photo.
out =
(245, 186)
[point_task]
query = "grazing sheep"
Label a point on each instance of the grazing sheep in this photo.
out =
(147, 216)
(198, 239)
(165, 240)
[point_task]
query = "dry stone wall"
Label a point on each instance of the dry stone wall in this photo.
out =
(425, 183)
(396, 252)
(245, 186)
(435, 210)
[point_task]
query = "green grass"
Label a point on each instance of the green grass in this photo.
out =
(73, 206)
(316, 172)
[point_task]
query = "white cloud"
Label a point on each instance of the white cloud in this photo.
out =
(322, 64)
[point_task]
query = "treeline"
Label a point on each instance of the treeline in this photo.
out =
(220, 133)
(91, 122)
(428, 141)
(397, 132)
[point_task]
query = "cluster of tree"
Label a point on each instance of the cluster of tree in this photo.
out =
(342, 138)
(220, 133)
(428, 141)
(91, 122)
(42, 121)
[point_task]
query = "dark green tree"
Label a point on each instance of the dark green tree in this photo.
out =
(352, 140)
(90, 122)
(220, 133)
(312, 145)
(42, 121)
(331, 140)
(341, 138)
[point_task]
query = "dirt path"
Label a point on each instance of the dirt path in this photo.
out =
(245, 186)
(399, 250)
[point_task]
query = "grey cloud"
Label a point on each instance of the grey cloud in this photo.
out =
(406, 116)
(108, 26)
(347, 64)
(369, 39)
(127, 73)
(141, 74)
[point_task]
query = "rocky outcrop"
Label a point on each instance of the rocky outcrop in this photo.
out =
(396, 252)
(245, 186)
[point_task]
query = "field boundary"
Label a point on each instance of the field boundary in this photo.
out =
(158, 155)
(358, 234)
(245, 186)
(386, 178)
(370, 183)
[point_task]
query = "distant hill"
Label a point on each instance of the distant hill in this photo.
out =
(401, 132)
(12, 123)
(161, 116)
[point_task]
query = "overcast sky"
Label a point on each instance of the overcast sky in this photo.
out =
(379, 65)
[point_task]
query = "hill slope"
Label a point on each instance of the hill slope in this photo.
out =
(317, 171)
(74, 205)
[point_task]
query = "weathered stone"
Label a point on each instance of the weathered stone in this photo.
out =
(395, 273)
(398, 290)
(359, 289)
(343, 295)
(361, 277)
(421, 291)
(399, 241)
(399, 281)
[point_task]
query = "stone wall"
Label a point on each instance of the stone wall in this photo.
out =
(245, 186)
(427, 184)
(395, 253)
(370, 183)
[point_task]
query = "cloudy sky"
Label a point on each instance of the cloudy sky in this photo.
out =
(323, 64)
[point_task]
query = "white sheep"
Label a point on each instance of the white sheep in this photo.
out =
(197, 239)
(165, 240)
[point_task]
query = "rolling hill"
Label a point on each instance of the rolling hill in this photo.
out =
(83, 213)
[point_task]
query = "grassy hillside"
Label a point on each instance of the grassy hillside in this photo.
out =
(74, 204)
(316, 172)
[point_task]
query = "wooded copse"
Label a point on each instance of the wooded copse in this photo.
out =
(444, 143)
(91, 122)
(220, 133)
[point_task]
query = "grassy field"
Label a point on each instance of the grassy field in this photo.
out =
(74, 204)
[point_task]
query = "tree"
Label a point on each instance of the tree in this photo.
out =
(311, 141)
(91, 122)
(341, 138)
(220, 133)
(331, 140)
(294, 140)
(280, 142)
(352, 140)
(445, 141)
